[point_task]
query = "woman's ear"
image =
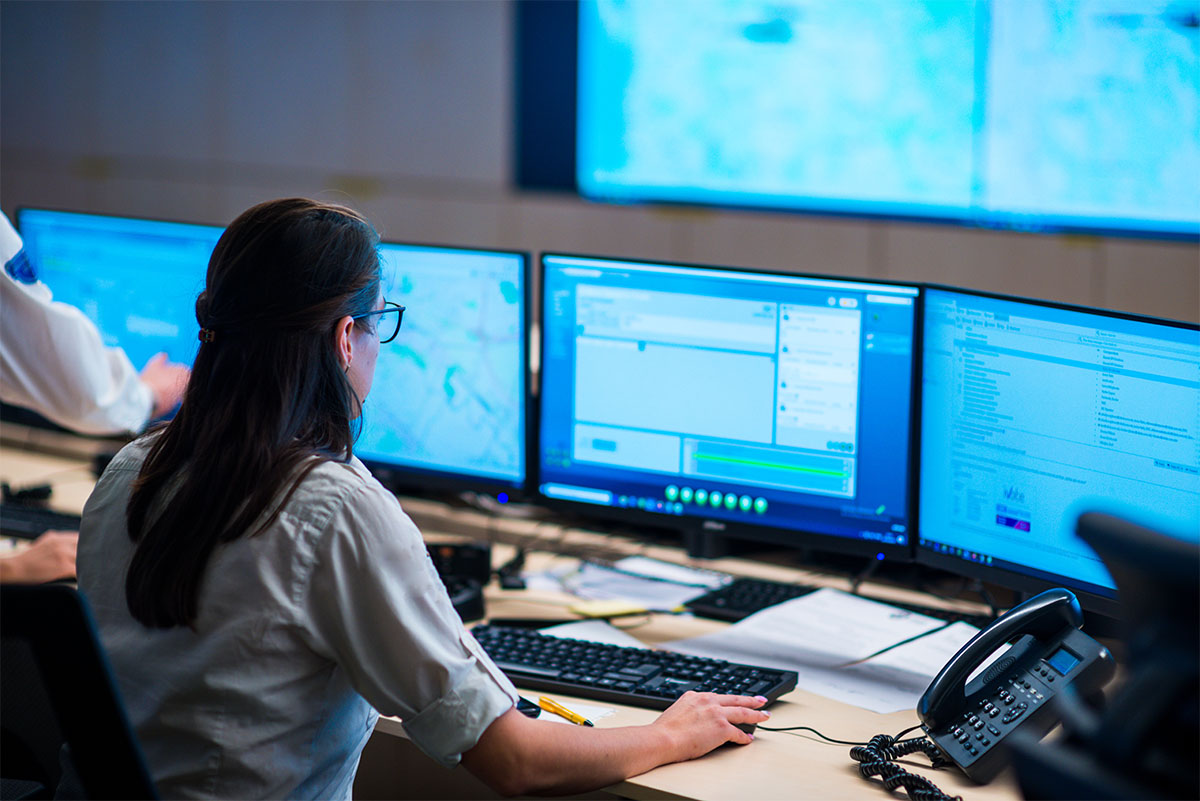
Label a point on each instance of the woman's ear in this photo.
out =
(343, 343)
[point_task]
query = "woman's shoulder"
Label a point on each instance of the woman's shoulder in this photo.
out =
(344, 476)
(348, 484)
(133, 454)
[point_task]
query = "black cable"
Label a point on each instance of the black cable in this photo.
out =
(830, 739)
(987, 597)
(877, 758)
(809, 728)
(887, 648)
(509, 573)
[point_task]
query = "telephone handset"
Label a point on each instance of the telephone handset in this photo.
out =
(969, 721)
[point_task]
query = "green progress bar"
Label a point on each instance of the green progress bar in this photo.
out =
(773, 465)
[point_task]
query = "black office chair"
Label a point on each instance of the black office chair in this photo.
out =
(1144, 743)
(56, 688)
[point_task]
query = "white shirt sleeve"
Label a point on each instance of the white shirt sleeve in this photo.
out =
(53, 361)
(378, 607)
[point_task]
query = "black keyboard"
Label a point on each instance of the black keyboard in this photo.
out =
(745, 596)
(19, 520)
(630, 676)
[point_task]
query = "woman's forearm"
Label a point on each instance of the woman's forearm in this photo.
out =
(519, 756)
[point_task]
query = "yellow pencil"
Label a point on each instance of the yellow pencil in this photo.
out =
(550, 705)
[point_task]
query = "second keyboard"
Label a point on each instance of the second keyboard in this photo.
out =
(27, 522)
(745, 596)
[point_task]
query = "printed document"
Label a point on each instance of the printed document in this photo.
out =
(828, 637)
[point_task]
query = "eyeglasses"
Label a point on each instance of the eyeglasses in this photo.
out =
(384, 326)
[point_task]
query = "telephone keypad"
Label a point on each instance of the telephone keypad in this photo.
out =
(1014, 712)
(1013, 698)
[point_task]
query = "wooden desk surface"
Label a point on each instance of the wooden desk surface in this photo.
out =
(775, 765)
(70, 477)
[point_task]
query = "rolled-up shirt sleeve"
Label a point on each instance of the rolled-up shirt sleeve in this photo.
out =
(376, 606)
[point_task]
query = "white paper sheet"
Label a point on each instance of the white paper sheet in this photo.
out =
(589, 711)
(818, 634)
(669, 571)
(596, 583)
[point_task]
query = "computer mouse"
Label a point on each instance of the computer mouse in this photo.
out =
(747, 727)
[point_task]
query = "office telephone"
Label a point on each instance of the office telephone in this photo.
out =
(969, 721)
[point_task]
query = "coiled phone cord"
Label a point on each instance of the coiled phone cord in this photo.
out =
(877, 758)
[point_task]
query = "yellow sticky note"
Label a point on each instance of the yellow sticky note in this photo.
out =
(611, 608)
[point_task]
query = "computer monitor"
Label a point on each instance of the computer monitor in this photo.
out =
(756, 405)
(137, 279)
(1032, 413)
(448, 406)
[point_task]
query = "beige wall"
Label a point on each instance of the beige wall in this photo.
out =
(196, 110)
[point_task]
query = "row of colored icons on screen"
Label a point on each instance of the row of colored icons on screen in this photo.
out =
(715, 499)
(948, 549)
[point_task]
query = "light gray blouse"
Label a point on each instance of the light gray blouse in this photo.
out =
(304, 631)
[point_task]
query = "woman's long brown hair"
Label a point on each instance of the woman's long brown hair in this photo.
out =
(267, 401)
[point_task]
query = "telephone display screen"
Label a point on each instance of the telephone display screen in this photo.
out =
(1062, 660)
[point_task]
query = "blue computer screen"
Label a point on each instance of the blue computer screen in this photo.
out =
(449, 391)
(753, 398)
(1033, 414)
(136, 279)
(1033, 114)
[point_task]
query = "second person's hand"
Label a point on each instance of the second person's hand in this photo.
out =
(50, 557)
(167, 381)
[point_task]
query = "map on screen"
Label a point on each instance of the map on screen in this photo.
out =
(449, 391)
(1035, 112)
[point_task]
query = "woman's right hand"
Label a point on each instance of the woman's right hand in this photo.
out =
(699, 722)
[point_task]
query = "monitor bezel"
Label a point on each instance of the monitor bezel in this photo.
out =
(1093, 599)
(19, 210)
(690, 525)
(418, 480)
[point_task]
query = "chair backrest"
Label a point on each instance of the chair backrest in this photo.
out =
(1143, 742)
(53, 664)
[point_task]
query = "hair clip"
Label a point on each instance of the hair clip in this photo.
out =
(207, 335)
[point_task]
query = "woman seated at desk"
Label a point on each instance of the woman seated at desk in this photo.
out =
(261, 595)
